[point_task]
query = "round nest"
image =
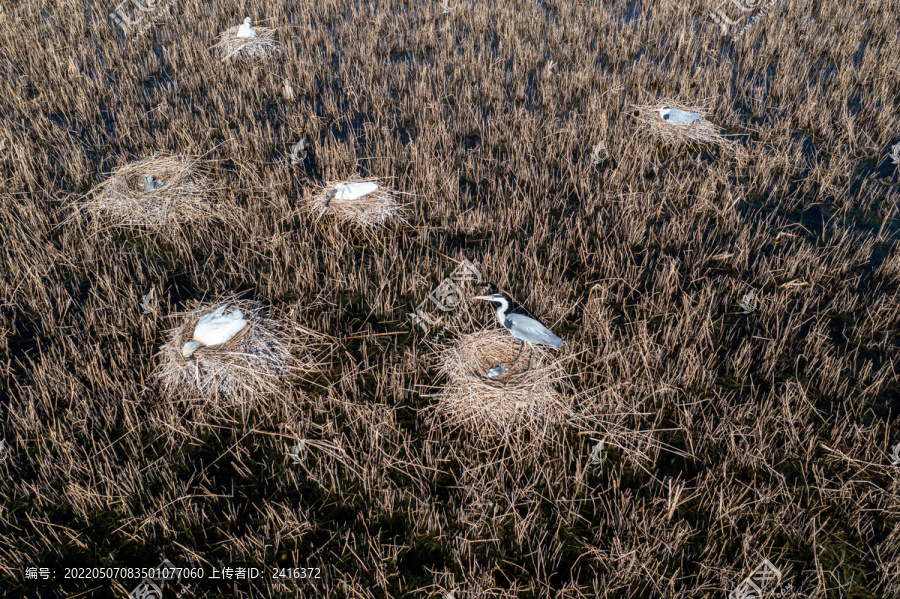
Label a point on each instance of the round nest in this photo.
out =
(527, 395)
(178, 193)
(247, 49)
(367, 212)
(255, 362)
(701, 131)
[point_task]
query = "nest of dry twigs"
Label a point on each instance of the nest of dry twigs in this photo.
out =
(368, 212)
(248, 49)
(184, 197)
(529, 395)
(256, 362)
(698, 132)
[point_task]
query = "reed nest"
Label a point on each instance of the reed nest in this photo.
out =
(256, 362)
(698, 132)
(248, 49)
(376, 209)
(527, 396)
(121, 200)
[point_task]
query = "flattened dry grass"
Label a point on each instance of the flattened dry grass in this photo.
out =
(187, 196)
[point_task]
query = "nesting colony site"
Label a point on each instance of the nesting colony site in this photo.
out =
(449, 299)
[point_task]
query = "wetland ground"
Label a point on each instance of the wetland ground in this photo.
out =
(735, 430)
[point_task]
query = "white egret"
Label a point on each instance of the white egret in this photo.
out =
(351, 191)
(215, 328)
(245, 30)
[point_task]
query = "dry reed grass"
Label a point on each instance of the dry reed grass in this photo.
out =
(256, 362)
(248, 49)
(186, 196)
(731, 436)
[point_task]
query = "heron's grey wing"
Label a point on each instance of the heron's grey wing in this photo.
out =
(529, 329)
(683, 117)
(690, 117)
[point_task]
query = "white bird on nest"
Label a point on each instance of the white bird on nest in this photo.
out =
(351, 191)
(678, 117)
(215, 328)
(245, 30)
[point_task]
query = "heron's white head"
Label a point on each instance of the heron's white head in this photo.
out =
(664, 113)
(247, 21)
(498, 301)
(189, 348)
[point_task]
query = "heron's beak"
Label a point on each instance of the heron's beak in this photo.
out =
(331, 196)
(482, 297)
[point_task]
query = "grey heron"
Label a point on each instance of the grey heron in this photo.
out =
(519, 322)
(679, 117)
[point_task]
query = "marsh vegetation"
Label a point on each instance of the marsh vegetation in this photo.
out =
(733, 433)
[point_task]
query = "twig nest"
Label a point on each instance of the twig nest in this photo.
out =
(362, 203)
(157, 192)
(488, 390)
(247, 42)
(254, 359)
(678, 124)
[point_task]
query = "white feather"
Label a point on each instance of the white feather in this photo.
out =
(352, 191)
(218, 328)
(245, 30)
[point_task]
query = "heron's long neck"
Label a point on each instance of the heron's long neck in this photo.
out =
(501, 311)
